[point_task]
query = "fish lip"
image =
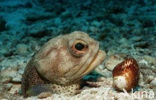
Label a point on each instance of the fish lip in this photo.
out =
(96, 57)
(94, 63)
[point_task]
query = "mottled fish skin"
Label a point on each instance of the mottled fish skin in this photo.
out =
(30, 78)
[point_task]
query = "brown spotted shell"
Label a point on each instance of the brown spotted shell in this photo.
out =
(126, 75)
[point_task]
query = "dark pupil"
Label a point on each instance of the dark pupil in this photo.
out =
(79, 46)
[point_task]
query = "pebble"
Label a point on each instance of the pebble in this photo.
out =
(141, 83)
(149, 78)
(6, 79)
(17, 78)
(9, 86)
(44, 95)
(100, 67)
(136, 38)
(4, 50)
(153, 82)
(34, 46)
(6, 74)
(143, 62)
(93, 29)
(112, 61)
(15, 89)
(22, 49)
(104, 72)
(96, 23)
(150, 59)
(11, 75)
(124, 43)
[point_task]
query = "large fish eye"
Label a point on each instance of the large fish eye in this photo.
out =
(79, 47)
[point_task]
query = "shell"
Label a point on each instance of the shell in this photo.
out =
(126, 75)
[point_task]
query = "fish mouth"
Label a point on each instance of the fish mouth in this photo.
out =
(99, 58)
